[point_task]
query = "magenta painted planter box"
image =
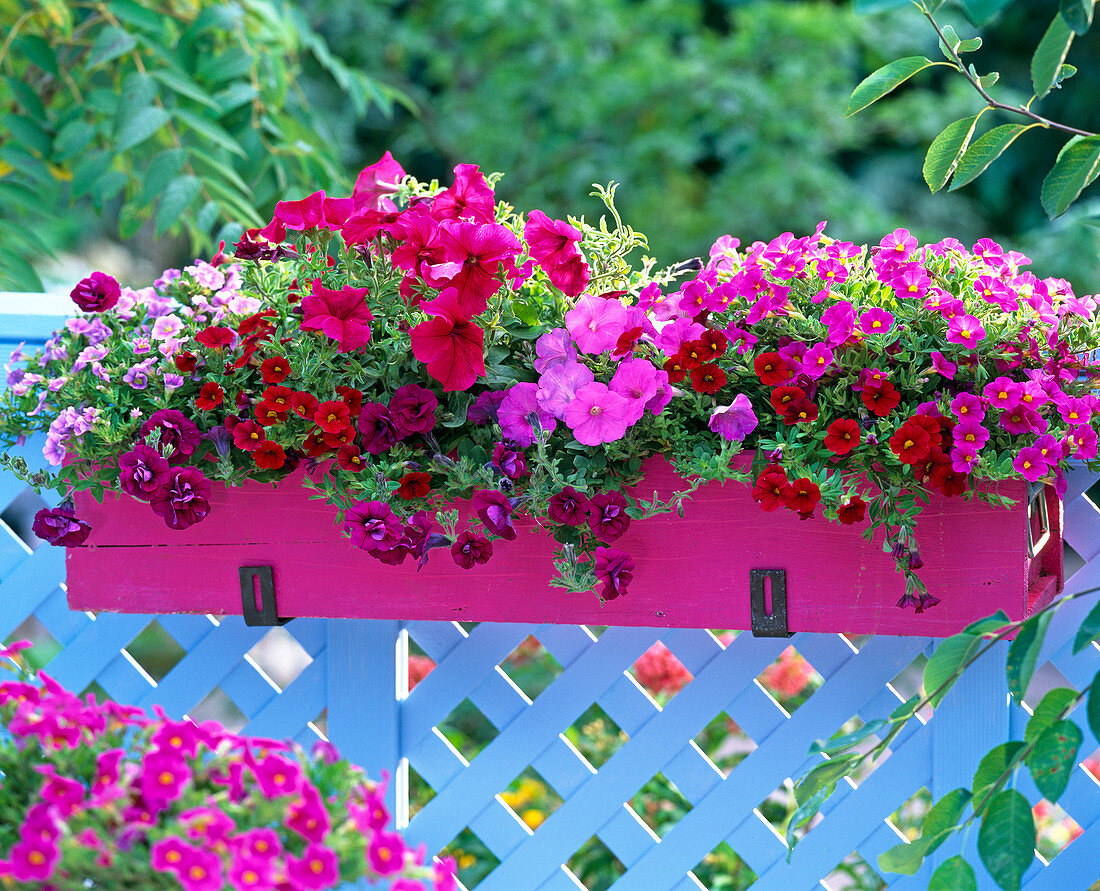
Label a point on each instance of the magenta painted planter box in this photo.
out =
(690, 573)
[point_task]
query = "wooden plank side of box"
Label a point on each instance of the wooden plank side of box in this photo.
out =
(689, 572)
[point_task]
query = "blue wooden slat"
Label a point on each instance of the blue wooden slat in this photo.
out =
(298, 704)
(90, 651)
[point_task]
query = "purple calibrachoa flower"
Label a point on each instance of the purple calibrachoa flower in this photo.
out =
(1081, 442)
(876, 321)
(734, 421)
(142, 471)
(412, 409)
(970, 434)
(1022, 419)
(596, 415)
(378, 428)
(494, 508)
(373, 526)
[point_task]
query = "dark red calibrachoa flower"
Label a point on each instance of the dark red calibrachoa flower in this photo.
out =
(185, 362)
(352, 398)
(142, 471)
(881, 398)
(350, 458)
(935, 469)
(852, 511)
(98, 292)
(842, 436)
(304, 404)
(275, 369)
(714, 344)
(269, 455)
(256, 326)
(332, 416)
(607, 517)
(380, 434)
(415, 485)
(799, 411)
(694, 354)
(911, 443)
(568, 507)
(615, 569)
(708, 378)
(470, 548)
(626, 341)
(248, 435)
(339, 440)
(184, 500)
(215, 337)
(782, 396)
(955, 484)
(675, 368)
(60, 527)
(278, 398)
(268, 415)
(494, 509)
(210, 396)
(770, 488)
(315, 445)
(802, 496)
(771, 368)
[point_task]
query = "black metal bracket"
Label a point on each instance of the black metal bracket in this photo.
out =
(1037, 508)
(259, 579)
(767, 623)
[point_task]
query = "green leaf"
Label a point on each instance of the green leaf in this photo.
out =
(986, 149)
(993, 766)
(836, 744)
(109, 185)
(954, 874)
(808, 810)
(1006, 841)
(943, 154)
(160, 171)
(1048, 711)
(905, 857)
(944, 815)
(27, 133)
(134, 14)
(1053, 757)
(18, 275)
(989, 624)
(1049, 56)
(824, 775)
(1024, 652)
(110, 43)
(182, 84)
(1077, 14)
(1065, 73)
(981, 11)
(211, 130)
(87, 170)
(135, 129)
(175, 201)
(1092, 707)
(945, 662)
(39, 52)
(887, 79)
(1089, 630)
(970, 45)
(130, 218)
(72, 139)
(988, 80)
(1077, 166)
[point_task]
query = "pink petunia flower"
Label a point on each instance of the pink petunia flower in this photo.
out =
(965, 330)
(734, 421)
(595, 324)
(341, 315)
(637, 381)
(596, 415)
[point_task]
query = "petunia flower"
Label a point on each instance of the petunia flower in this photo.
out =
(494, 508)
(965, 330)
(339, 315)
(596, 415)
(517, 409)
(637, 381)
(469, 548)
(377, 181)
(471, 256)
(449, 344)
(595, 324)
(372, 525)
(306, 213)
(615, 569)
(734, 421)
(559, 383)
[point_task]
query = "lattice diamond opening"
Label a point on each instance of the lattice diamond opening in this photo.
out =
(595, 866)
(96, 690)
(475, 861)
(790, 680)
(852, 726)
(908, 682)
(660, 673)
(1046, 677)
(660, 804)
(217, 706)
(1055, 830)
(467, 729)
(1093, 495)
(777, 809)
(725, 743)
(853, 873)
(280, 657)
(1073, 561)
(908, 817)
(531, 798)
(596, 736)
(320, 723)
(1091, 766)
(44, 645)
(531, 667)
(420, 792)
(723, 869)
(155, 651)
(19, 517)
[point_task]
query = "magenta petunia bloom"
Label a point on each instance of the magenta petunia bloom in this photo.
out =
(306, 213)
(177, 432)
(163, 776)
(494, 508)
(412, 409)
(317, 868)
(339, 315)
(553, 245)
(98, 292)
(508, 461)
(638, 382)
(734, 421)
(596, 415)
(568, 507)
(184, 500)
(472, 254)
(386, 852)
(943, 365)
(607, 516)
(376, 182)
(373, 526)
(571, 277)
(559, 383)
(470, 548)
(60, 527)
(469, 198)
(251, 874)
(965, 330)
(816, 360)
(515, 413)
(1021, 420)
(840, 318)
(595, 324)
(615, 569)
(379, 430)
(876, 321)
(449, 344)
(142, 471)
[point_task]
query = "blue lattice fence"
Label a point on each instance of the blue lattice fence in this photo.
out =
(349, 679)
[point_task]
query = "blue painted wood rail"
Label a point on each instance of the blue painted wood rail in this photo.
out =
(351, 678)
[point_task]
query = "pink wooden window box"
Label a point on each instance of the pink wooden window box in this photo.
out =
(692, 572)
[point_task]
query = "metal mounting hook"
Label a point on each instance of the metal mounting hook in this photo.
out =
(259, 580)
(767, 623)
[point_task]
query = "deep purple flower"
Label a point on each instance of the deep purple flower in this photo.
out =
(509, 461)
(60, 527)
(176, 431)
(184, 499)
(615, 569)
(380, 433)
(495, 511)
(607, 515)
(471, 548)
(569, 507)
(734, 421)
(143, 470)
(373, 526)
(516, 408)
(412, 409)
(97, 293)
(485, 407)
